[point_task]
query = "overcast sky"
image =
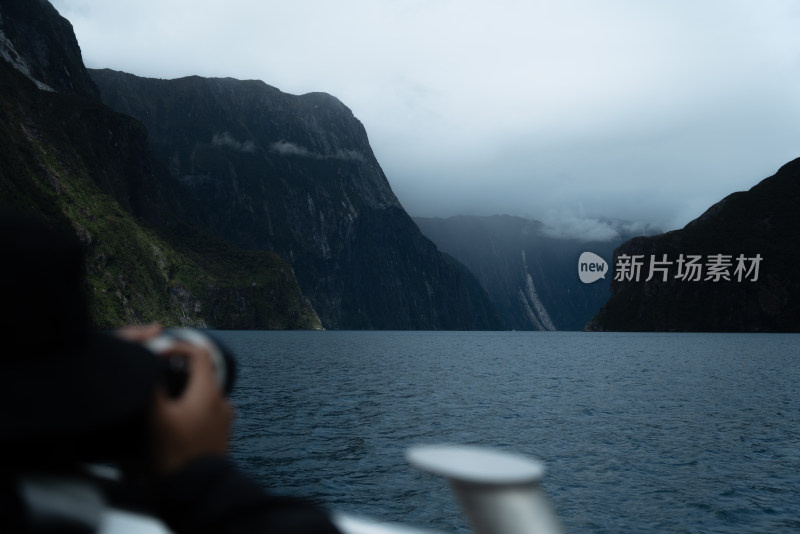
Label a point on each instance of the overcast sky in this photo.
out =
(560, 110)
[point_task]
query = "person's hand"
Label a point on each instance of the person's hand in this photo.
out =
(196, 424)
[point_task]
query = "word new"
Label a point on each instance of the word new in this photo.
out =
(591, 267)
(688, 268)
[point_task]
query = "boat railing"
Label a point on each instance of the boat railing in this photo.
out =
(499, 492)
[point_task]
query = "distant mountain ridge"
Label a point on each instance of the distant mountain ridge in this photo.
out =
(530, 276)
(296, 175)
(753, 231)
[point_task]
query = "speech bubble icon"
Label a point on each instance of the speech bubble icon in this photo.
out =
(591, 267)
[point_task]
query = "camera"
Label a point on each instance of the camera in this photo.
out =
(176, 368)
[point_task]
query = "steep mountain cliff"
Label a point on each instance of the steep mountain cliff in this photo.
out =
(181, 229)
(78, 164)
(296, 175)
(531, 278)
(733, 269)
(40, 43)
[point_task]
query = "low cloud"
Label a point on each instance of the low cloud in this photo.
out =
(581, 229)
(226, 140)
(594, 229)
(291, 149)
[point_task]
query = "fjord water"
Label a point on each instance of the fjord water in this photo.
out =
(639, 432)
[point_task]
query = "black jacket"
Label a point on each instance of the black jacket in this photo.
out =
(208, 496)
(211, 496)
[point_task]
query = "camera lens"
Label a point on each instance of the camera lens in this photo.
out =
(175, 368)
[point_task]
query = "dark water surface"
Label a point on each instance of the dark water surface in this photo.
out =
(639, 432)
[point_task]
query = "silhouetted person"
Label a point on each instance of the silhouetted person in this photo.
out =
(86, 425)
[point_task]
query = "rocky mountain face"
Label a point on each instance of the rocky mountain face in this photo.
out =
(733, 269)
(295, 175)
(40, 43)
(531, 278)
(81, 166)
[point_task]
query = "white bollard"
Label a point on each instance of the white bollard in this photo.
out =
(498, 491)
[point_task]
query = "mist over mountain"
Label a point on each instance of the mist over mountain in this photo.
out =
(594, 229)
(733, 269)
(228, 203)
(530, 269)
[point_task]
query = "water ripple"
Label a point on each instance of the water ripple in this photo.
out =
(640, 432)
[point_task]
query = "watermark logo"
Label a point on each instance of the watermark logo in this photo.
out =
(591, 267)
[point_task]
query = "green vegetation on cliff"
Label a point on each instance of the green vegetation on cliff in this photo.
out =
(81, 166)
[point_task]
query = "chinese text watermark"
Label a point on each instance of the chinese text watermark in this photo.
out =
(687, 268)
